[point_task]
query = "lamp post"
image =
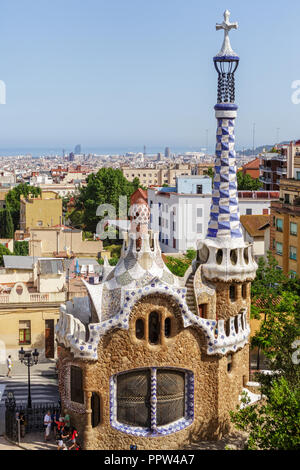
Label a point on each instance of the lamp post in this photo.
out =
(29, 359)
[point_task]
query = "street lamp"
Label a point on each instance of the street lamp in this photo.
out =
(30, 359)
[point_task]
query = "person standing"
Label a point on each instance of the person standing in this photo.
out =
(9, 367)
(22, 424)
(47, 425)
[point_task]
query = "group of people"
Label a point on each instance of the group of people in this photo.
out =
(62, 430)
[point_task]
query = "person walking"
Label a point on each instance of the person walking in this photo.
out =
(74, 434)
(9, 367)
(62, 435)
(47, 425)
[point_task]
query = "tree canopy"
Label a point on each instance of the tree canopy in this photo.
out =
(246, 183)
(104, 187)
(275, 423)
(4, 251)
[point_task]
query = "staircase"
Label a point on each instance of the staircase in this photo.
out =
(190, 295)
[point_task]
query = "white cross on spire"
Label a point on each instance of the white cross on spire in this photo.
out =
(227, 26)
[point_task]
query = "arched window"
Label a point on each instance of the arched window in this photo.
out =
(229, 363)
(95, 405)
(139, 328)
(227, 327)
(244, 291)
(76, 384)
(154, 328)
(236, 324)
(168, 325)
(232, 293)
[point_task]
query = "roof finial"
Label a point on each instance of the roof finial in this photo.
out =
(227, 26)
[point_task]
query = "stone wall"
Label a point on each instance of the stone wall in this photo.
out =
(225, 307)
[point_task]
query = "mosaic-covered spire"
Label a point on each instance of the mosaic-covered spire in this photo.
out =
(224, 215)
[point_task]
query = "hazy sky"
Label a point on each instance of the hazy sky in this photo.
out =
(135, 72)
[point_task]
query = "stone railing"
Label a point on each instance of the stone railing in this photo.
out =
(14, 298)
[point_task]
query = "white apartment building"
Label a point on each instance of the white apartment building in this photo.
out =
(7, 178)
(182, 219)
(61, 189)
(37, 180)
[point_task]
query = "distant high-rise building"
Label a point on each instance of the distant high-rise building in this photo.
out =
(167, 152)
(77, 149)
(71, 157)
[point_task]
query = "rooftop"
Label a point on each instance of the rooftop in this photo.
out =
(255, 224)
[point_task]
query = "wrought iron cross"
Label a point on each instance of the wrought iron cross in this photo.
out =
(227, 26)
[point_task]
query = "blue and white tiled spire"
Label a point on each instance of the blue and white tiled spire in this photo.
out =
(224, 255)
(224, 215)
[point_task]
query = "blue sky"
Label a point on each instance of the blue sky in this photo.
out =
(132, 72)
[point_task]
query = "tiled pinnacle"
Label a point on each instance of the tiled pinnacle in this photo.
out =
(224, 214)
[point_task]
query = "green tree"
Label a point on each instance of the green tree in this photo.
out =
(267, 292)
(246, 183)
(276, 336)
(21, 248)
(8, 224)
(210, 173)
(267, 286)
(104, 187)
(3, 251)
(274, 425)
(76, 218)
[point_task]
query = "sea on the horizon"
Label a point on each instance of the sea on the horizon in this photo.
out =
(53, 151)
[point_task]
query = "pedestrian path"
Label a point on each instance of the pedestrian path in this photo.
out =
(43, 389)
(6, 445)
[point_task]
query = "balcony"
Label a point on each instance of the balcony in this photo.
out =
(281, 171)
(265, 180)
(281, 158)
(21, 295)
(258, 195)
(265, 169)
(288, 208)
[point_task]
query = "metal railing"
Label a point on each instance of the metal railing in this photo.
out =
(34, 418)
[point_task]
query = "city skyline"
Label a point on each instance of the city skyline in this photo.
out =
(141, 74)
